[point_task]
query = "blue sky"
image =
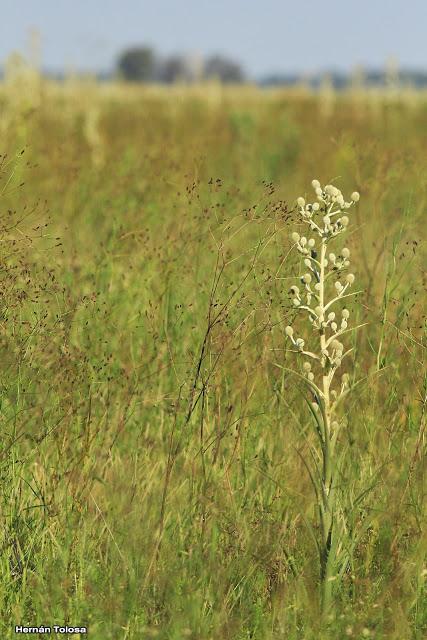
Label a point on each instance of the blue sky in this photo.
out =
(264, 35)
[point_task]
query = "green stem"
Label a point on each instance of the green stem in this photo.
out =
(326, 508)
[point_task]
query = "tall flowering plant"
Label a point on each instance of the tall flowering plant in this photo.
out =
(321, 296)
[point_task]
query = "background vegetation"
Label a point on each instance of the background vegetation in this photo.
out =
(152, 452)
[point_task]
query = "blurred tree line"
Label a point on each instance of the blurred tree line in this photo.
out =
(142, 64)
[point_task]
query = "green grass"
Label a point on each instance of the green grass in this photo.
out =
(151, 475)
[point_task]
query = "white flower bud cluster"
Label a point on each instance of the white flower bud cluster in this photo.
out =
(326, 215)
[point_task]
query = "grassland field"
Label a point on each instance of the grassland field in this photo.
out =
(153, 447)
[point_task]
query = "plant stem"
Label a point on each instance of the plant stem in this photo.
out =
(326, 506)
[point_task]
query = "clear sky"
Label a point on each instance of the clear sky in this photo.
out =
(264, 35)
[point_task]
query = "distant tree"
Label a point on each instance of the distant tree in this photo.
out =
(186, 68)
(224, 69)
(137, 64)
(172, 69)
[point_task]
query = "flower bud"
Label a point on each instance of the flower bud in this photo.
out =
(319, 191)
(338, 286)
(303, 241)
(289, 331)
(355, 196)
(316, 205)
(306, 278)
(310, 376)
(295, 236)
(345, 253)
(301, 202)
(331, 315)
(311, 242)
(315, 184)
(344, 221)
(345, 314)
(307, 262)
(332, 257)
(350, 278)
(306, 366)
(296, 302)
